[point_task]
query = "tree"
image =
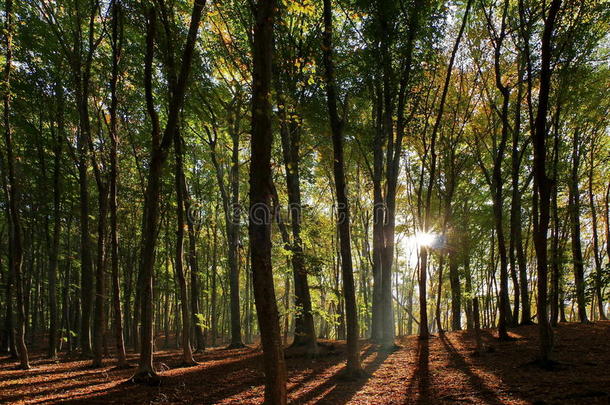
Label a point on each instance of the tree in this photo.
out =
(353, 368)
(596, 253)
(577, 259)
(12, 194)
(79, 57)
(187, 354)
(496, 176)
(117, 48)
(541, 183)
(54, 257)
(229, 194)
(160, 148)
(259, 213)
(289, 77)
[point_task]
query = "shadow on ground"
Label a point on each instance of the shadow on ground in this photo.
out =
(441, 370)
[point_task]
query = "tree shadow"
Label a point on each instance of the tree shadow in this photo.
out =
(581, 351)
(214, 379)
(337, 389)
(419, 385)
(457, 362)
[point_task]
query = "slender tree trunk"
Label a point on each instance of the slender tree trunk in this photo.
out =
(99, 325)
(53, 261)
(515, 205)
(260, 198)
(81, 70)
(8, 338)
(117, 43)
(287, 309)
(555, 267)
(456, 296)
(213, 298)
(187, 354)
(596, 253)
(160, 149)
(378, 218)
(423, 329)
(195, 281)
(233, 241)
(541, 184)
(577, 259)
(607, 220)
(230, 202)
(497, 182)
(470, 293)
(343, 212)
(441, 266)
(85, 251)
(304, 330)
(15, 245)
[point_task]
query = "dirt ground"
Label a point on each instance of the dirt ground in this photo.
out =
(442, 370)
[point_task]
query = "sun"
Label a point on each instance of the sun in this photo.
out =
(411, 245)
(425, 239)
(419, 240)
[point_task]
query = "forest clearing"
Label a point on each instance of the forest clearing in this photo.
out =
(305, 201)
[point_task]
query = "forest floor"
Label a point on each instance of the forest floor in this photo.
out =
(442, 370)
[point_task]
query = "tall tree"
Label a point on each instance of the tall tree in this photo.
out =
(14, 216)
(542, 197)
(117, 49)
(187, 353)
(343, 212)
(259, 213)
(426, 223)
(597, 257)
(574, 206)
(291, 95)
(496, 183)
(392, 101)
(229, 194)
(54, 257)
(160, 148)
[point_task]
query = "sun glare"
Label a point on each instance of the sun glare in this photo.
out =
(425, 239)
(413, 243)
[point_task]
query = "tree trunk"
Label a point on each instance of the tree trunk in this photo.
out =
(53, 260)
(195, 282)
(607, 221)
(343, 213)
(99, 325)
(14, 220)
(456, 295)
(160, 149)
(378, 218)
(259, 213)
(187, 354)
(117, 43)
(213, 298)
(574, 207)
(497, 182)
(81, 71)
(469, 291)
(230, 204)
(304, 330)
(439, 292)
(596, 253)
(515, 204)
(541, 184)
(555, 267)
(233, 241)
